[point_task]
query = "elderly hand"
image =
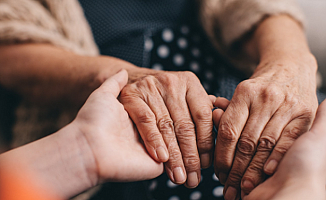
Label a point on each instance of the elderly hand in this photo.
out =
(114, 141)
(265, 116)
(269, 111)
(173, 115)
(301, 174)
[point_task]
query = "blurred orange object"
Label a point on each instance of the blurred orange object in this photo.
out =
(21, 186)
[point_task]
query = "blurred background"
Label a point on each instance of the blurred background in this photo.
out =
(315, 11)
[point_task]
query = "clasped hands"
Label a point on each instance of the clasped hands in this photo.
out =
(173, 115)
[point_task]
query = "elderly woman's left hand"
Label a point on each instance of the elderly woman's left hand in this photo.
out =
(266, 114)
(269, 111)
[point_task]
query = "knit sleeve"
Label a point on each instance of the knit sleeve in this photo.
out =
(236, 17)
(60, 23)
(227, 21)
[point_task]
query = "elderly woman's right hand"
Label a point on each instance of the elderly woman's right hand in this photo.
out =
(173, 115)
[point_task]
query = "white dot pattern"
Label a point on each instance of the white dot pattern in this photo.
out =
(218, 191)
(195, 195)
(167, 35)
(163, 51)
(170, 184)
(180, 49)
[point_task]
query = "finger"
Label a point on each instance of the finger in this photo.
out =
(290, 133)
(201, 111)
(115, 83)
(247, 144)
(254, 174)
(174, 166)
(145, 120)
(231, 125)
(217, 114)
(185, 131)
(212, 98)
(221, 102)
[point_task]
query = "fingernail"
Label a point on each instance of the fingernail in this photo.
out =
(231, 194)
(192, 179)
(162, 154)
(178, 175)
(205, 160)
(222, 177)
(271, 166)
(248, 186)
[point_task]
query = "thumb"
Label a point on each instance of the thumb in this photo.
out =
(319, 125)
(115, 83)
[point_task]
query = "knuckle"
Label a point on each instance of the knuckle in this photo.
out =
(226, 132)
(271, 94)
(266, 144)
(245, 86)
(151, 138)
(256, 167)
(205, 144)
(246, 146)
(146, 117)
(127, 93)
(282, 149)
(192, 162)
(189, 74)
(292, 133)
(147, 82)
(168, 79)
(165, 126)
(235, 177)
(203, 115)
(184, 128)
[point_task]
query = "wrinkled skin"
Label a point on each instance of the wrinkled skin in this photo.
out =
(301, 173)
(173, 115)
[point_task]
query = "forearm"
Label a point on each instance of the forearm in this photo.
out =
(59, 163)
(281, 38)
(44, 73)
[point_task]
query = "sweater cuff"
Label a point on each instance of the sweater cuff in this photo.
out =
(239, 17)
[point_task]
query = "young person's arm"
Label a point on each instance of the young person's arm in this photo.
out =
(100, 145)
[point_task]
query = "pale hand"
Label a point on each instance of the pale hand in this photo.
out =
(114, 141)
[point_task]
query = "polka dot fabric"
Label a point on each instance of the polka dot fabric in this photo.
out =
(186, 48)
(119, 25)
(161, 35)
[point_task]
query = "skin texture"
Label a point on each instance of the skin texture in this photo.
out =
(68, 79)
(100, 145)
(172, 112)
(270, 110)
(302, 172)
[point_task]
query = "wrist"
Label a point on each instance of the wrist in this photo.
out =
(60, 163)
(106, 66)
(288, 63)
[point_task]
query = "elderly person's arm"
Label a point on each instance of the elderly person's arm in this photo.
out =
(48, 54)
(269, 110)
(162, 104)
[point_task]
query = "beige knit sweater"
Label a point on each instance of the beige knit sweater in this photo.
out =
(62, 23)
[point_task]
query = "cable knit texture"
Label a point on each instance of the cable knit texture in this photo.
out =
(62, 23)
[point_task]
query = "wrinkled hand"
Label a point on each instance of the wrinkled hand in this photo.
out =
(114, 141)
(173, 115)
(301, 173)
(265, 116)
